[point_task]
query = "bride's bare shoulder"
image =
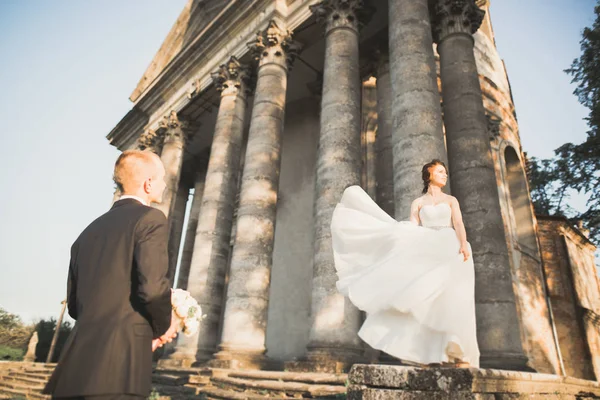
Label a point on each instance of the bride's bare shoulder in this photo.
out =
(451, 200)
(416, 204)
(419, 200)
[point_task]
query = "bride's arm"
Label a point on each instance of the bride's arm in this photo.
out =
(414, 212)
(459, 227)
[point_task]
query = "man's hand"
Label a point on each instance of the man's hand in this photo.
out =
(169, 335)
(156, 343)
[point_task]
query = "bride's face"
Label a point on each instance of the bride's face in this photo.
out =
(438, 176)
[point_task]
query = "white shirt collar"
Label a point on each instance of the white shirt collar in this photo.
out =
(128, 196)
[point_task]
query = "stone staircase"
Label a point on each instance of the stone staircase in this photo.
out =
(213, 383)
(20, 380)
(24, 380)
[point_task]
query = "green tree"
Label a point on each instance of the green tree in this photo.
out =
(575, 167)
(45, 330)
(547, 193)
(13, 332)
(583, 160)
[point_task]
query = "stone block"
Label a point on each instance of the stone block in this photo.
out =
(401, 382)
(412, 378)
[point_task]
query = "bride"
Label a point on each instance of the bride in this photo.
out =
(415, 280)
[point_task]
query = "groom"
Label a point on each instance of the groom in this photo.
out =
(118, 291)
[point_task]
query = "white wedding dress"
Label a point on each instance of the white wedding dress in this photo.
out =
(416, 288)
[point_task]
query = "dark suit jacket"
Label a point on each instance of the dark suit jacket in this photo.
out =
(120, 297)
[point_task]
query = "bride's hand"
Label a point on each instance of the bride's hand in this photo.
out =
(464, 250)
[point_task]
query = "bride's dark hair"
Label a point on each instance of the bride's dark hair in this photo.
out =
(426, 175)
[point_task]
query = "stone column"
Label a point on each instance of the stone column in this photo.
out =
(416, 114)
(190, 234)
(383, 143)
(474, 183)
(245, 319)
(335, 321)
(174, 134)
(171, 155)
(211, 245)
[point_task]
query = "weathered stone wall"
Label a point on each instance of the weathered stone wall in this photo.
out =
(517, 212)
(573, 288)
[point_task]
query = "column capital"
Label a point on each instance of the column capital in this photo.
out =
(351, 14)
(233, 78)
(455, 16)
(149, 140)
(275, 45)
(173, 128)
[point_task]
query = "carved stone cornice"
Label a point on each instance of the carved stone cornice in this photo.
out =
(149, 140)
(194, 89)
(275, 45)
(233, 78)
(352, 14)
(454, 16)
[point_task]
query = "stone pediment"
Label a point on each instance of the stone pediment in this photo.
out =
(196, 15)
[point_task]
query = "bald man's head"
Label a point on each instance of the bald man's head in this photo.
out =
(140, 173)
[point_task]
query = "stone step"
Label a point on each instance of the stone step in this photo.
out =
(170, 380)
(31, 375)
(40, 396)
(211, 392)
(24, 387)
(306, 377)
(23, 379)
(45, 371)
(12, 393)
(176, 392)
(304, 389)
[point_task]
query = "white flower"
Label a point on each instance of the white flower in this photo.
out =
(188, 310)
(191, 326)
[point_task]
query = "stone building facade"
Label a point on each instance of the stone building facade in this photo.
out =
(269, 109)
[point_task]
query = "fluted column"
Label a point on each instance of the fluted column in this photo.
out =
(173, 134)
(383, 143)
(211, 244)
(474, 183)
(334, 320)
(245, 319)
(171, 155)
(416, 114)
(190, 234)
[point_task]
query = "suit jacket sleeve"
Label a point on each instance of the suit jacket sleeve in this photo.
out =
(72, 285)
(151, 263)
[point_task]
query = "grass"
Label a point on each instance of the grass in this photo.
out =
(11, 354)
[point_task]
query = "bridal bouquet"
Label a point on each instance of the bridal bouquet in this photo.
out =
(187, 310)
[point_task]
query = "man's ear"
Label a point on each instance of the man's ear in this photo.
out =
(148, 185)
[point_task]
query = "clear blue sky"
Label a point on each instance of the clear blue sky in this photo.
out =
(68, 68)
